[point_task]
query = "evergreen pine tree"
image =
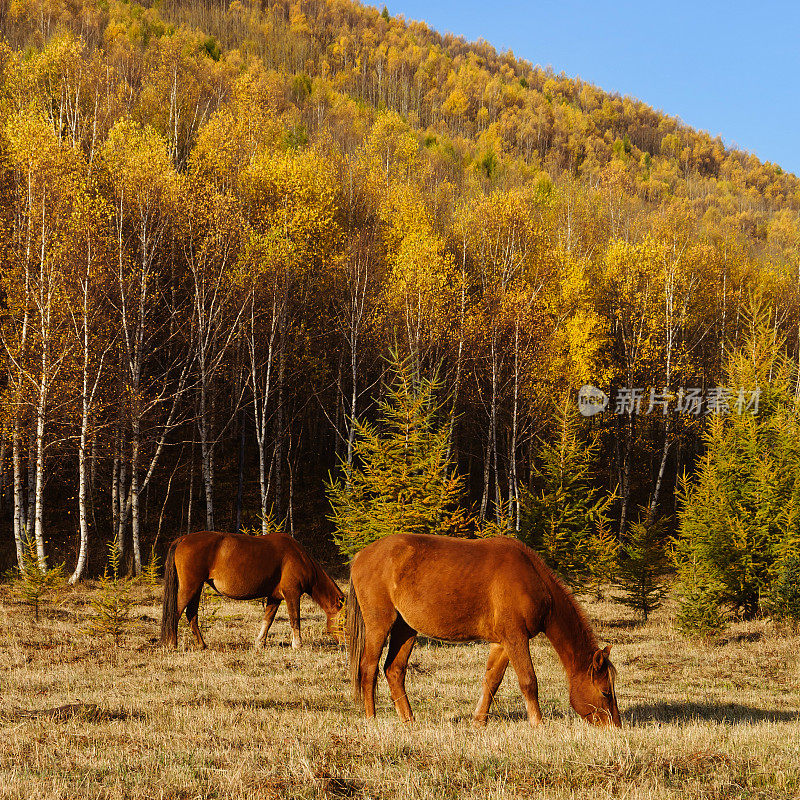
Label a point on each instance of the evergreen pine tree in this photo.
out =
(499, 524)
(152, 569)
(700, 612)
(111, 606)
(565, 518)
(400, 479)
(643, 565)
(784, 599)
(740, 516)
(32, 583)
(603, 558)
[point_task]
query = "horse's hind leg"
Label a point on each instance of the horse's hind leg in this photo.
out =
(189, 592)
(270, 609)
(519, 652)
(377, 629)
(401, 642)
(495, 670)
(191, 615)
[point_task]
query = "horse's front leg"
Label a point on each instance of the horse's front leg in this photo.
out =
(270, 609)
(495, 670)
(519, 652)
(293, 609)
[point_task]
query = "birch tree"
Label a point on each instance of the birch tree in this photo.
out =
(291, 200)
(502, 234)
(210, 238)
(356, 281)
(422, 283)
(46, 176)
(89, 310)
(143, 187)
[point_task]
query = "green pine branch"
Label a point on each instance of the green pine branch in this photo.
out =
(32, 583)
(400, 478)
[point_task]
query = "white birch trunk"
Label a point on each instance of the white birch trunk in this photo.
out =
(20, 523)
(205, 449)
(39, 501)
(115, 490)
(82, 521)
(135, 535)
(261, 391)
(513, 488)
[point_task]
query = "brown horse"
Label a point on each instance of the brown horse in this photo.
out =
(495, 590)
(274, 567)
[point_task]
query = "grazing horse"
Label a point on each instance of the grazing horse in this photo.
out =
(274, 567)
(495, 590)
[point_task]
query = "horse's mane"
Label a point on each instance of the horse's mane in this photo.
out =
(559, 590)
(321, 575)
(583, 621)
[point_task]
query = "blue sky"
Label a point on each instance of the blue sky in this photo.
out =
(732, 69)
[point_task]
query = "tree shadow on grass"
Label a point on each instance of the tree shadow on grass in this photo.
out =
(730, 713)
(310, 705)
(624, 624)
(274, 642)
(736, 638)
(89, 712)
(271, 704)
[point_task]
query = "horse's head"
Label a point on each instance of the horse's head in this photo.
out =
(336, 621)
(592, 693)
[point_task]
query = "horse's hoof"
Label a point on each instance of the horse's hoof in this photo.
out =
(479, 722)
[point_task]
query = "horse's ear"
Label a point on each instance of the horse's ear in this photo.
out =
(600, 658)
(607, 650)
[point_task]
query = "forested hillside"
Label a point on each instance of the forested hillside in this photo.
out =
(218, 220)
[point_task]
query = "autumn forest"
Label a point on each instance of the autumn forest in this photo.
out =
(220, 223)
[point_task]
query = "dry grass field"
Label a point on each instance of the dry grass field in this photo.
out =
(83, 719)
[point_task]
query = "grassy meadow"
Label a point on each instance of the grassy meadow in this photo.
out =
(81, 718)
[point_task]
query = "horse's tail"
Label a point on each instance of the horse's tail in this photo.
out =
(169, 610)
(355, 640)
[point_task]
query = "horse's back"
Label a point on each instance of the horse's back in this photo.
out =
(234, 546)
(422, 553)
(195, 549)
(451, 588)
(239, 565)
